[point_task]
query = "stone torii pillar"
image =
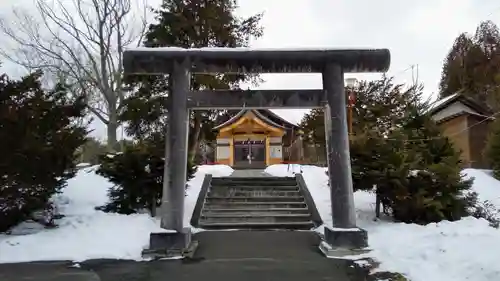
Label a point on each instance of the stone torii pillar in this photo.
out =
(345, 234)
(332, 63)
(337, 148)
(174, 178)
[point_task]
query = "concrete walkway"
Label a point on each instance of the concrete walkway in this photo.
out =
(249, 173)
(229, 255)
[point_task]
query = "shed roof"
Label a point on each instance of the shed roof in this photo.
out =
(443, 103)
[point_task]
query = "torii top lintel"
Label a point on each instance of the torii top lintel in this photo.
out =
(157, 61)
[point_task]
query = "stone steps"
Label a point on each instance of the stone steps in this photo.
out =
(258, 193)
(254, 218)
(248, 179)
(257, 225)
(258, 211)
(253, 199)
(250, 182)
(255, 203)
(255, 187)
(261, 214)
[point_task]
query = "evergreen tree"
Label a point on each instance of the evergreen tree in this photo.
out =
(492, 151)
(198, 24)
(401, 151)
(380, 108)
(137, 173)
(38, 139)
(472, 66)
(458, 68)
(371, 158)
(433, 188)
(90, 151)
(379, 105)
(179, 23)
(312, 126)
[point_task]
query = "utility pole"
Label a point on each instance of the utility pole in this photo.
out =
(350, 83)
(416, 82)
(414, 74)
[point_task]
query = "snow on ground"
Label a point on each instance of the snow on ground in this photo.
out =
(462, 250)
(85, 233)
(195, 186)
(483, 185)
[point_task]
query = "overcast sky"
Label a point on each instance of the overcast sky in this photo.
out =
(416, 32)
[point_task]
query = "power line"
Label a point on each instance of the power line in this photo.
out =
(415, 81)
(493, 11)
(402, 71)
(487, 118)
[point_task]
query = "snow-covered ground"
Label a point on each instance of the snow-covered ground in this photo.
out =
(462, 250)
(447, 251)
(85, 233)
(485, 185)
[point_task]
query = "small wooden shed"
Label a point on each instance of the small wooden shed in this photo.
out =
(466, 123)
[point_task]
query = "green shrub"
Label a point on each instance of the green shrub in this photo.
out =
(416, 171)
(492, 151)
(38, 140)
(137, 173)
(428, 186)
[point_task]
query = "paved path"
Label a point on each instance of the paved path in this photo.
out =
(230, 255)
(249, 173)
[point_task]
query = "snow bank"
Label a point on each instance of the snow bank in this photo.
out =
(84, 192)
(316, 181)
(462, 250)
(487, 188)
(85, 233)
(195, 186)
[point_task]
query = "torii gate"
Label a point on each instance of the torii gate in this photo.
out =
(332, 63)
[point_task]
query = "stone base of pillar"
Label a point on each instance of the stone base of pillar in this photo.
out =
(341, 242)
(170, 245)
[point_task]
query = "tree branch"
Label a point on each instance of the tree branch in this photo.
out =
(80, 40)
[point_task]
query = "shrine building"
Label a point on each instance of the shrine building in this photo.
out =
(255, 138)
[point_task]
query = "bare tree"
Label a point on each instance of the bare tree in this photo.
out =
(79, 42)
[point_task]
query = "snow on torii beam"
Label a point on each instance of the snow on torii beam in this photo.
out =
(157, 61)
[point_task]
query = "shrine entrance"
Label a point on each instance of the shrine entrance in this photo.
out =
(180, 63)
(249, 153)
